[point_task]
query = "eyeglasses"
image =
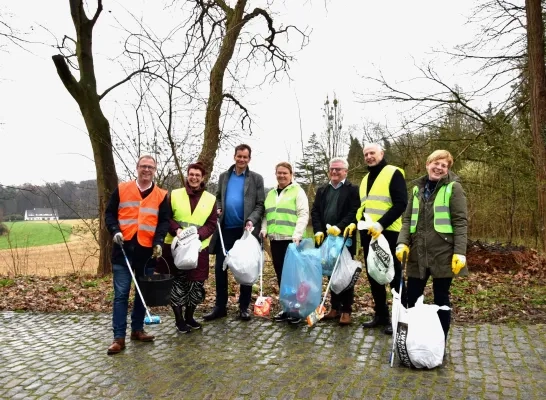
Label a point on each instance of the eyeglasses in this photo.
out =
(336, 169)
(150, 167)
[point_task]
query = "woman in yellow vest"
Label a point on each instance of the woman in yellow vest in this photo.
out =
(433, 234)
(191, 206)
(286, 218)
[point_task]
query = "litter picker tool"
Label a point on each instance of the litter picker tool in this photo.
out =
(149, 319)
(318, 314)
(397, 302)
(262, 306)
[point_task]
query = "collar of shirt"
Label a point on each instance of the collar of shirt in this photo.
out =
(340, 184)
(143, 189)
(235, 172)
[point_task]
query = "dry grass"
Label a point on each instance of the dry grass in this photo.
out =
(79, 255)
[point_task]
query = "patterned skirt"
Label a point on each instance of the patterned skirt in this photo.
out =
(187, 293)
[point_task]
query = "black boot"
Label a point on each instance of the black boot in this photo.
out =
(378, 320)
(179, 320)
(190, 321)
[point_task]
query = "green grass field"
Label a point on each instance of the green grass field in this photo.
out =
(34, 233)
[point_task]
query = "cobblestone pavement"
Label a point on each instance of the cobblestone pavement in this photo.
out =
(64, 357)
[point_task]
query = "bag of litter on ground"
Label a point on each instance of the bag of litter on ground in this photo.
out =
(420, 340)
(243, 259)
(380, 262)
(346, 273)
(301, 282)
(185, 249)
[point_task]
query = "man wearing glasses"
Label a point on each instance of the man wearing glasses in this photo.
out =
(336, 204)
(137, 216)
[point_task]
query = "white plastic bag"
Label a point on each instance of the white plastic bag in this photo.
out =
(420, 339)
(346, 274)
(380, 261)
(243, 259)
(185, 249)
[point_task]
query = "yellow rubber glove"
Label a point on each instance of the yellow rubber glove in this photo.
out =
(349, 230)
(457, 263)
(333, 231)
(158, 251)
(375, 230)
(319, 238)
(400, 250)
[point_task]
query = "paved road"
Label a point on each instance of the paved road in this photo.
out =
(63, 356)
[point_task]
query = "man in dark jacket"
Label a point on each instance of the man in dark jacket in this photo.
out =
(336, 205)
(137, 216)
(240, 204)
(383, 196)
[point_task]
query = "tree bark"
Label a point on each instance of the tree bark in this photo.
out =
(85, 93)
(234, 24)
(537, 84)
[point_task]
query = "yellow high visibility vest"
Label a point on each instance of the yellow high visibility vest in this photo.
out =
(180, 202)
(281, 213)
(378, 201)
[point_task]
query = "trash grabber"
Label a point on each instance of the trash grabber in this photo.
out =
(396, 308)
(262, 305)
(221, 237)
(318, 314)
(150, 319)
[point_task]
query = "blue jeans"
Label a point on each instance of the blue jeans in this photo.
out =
(122, 286)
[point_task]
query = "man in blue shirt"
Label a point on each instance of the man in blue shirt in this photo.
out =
(240, 204)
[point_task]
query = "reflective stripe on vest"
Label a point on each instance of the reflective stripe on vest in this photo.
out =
(137, 215)
(281, 212)
(442, 215)
(180, 202)
(378, 201)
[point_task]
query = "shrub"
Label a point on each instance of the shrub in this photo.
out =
(14, 217)
(3, 229)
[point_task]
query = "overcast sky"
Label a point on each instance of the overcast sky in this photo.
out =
(43, 136)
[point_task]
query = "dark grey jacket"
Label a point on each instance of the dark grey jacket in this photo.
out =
(254, 201)
(428, 248)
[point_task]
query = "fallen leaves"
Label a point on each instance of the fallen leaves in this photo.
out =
(505, 285)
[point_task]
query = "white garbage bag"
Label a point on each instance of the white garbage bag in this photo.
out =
(420, 340)
(380, 261)
(244, 259)
(346, 274)
(185, 249)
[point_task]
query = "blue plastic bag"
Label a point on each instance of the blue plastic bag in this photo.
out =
(329, 252)
(301, 282)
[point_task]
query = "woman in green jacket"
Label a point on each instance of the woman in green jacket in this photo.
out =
(285, 221)
(433, 234)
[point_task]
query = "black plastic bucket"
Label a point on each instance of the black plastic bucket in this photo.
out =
(156, 288)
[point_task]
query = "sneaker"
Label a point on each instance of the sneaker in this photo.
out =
(280, 317)
(293, 320)
(183, 328)
(193, 324)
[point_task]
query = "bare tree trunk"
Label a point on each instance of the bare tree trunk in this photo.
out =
(537, 83)
(85, 93)
(211, 140)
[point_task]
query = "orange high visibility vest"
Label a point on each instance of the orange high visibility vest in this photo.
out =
(138, 215)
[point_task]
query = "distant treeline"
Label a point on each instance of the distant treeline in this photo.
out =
(71, 199)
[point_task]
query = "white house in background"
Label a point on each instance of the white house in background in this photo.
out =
(41, 214)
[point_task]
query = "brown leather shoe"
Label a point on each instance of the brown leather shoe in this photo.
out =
(333, 314)
(142, 336)
(345, 319)
(117, 346)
